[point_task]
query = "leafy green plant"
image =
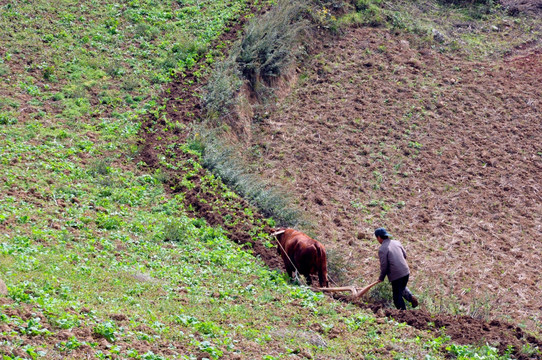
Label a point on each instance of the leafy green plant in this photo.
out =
(7, 118)
(33, 327)
(71, 344)
(108, 222)
(382, 294)
(465, 352)
(107, 330)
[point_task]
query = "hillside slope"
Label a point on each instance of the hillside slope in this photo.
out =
(116, 243)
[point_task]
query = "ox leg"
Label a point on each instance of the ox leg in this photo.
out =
(322, 279)
(289, 271)
(309, 279)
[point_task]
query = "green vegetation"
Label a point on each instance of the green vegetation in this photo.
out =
(101, 60)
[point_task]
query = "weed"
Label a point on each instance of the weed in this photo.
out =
(337, 267)
(4, 69)
(382, 294)
(100, 167)
(175, 231)
(369, 12)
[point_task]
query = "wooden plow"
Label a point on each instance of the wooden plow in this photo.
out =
(356, 292)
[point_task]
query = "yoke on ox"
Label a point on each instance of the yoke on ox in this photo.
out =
(300, 252)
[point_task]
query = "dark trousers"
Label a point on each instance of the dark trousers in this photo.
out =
(399, 287)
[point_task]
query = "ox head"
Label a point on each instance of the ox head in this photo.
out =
(277, 233)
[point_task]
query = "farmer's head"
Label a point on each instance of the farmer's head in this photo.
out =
(381, 235)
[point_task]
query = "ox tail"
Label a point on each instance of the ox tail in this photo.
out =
(322, 268)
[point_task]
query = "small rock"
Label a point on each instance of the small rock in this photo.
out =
(3, 288)
(317, 340)
(438, 36)
(404, 44)
(494, 28)
(143, 277)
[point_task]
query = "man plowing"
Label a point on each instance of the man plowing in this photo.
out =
(393, 264)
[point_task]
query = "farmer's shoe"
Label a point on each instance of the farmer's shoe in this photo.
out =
(414, 301)
(410, 298)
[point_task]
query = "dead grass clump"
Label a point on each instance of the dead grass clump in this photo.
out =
(221, 159)
(267, 49)
(269, 44)
(224, 83)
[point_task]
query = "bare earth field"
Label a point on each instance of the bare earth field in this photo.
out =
(445, 153)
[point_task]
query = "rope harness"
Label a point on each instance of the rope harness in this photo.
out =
(291, 262)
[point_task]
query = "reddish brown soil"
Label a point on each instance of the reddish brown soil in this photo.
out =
(443, 152)
(467, 330)
(463, 330)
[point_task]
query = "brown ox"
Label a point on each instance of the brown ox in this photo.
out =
(298, 251)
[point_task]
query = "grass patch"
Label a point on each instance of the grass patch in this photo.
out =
(221, 159)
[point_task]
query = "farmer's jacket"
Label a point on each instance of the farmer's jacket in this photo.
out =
(392, 260)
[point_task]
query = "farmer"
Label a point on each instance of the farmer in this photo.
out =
(393, 264)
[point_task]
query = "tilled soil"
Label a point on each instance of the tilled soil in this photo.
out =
(522, 6)
(462, 330)
(443, 152)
